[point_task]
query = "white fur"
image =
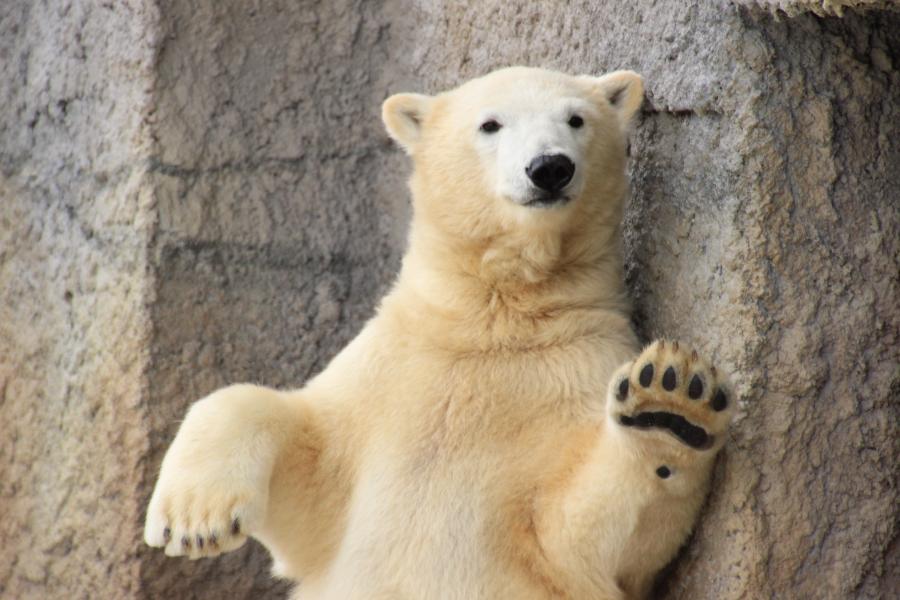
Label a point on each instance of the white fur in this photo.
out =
(534, 125)
(467, 444)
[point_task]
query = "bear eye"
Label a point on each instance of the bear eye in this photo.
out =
(575, 122)
(490, 126)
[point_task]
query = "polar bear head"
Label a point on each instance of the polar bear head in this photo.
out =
(518, 150)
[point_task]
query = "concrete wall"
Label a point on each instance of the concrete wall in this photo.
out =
(198, 193)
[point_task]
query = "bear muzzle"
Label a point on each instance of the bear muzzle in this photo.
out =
(551, 172)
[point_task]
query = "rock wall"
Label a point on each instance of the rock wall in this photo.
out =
(278, 229)
(74, 332)
(198, 193)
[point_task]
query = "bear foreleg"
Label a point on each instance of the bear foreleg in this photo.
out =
(213, 486)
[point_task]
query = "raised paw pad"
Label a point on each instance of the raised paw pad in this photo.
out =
(669, 379)
(719, 401)
(687, 432)
(695, 388)
(646, 376)
(623, 390)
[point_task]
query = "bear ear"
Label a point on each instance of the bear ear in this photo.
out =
(624, 90)
(403, 115)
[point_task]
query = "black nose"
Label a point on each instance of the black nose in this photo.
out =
(551, 172)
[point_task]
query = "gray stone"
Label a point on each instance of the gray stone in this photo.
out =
(193, 194)
(74, 331)
(823, 8)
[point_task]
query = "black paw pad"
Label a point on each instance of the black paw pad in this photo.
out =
(167, 534)
(663, 472)
(695, 389)
(623, 390)
(185, 542)
(236, 527)
(669, 379)
(646, 376)
(200, 542)
(719, 401)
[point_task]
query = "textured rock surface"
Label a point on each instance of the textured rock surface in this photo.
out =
(821, 7)
(199, 193)
(808, 500)
(74, 334)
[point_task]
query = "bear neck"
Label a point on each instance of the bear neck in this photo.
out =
(511, 290)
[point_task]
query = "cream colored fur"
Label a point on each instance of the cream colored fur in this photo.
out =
(467, 444)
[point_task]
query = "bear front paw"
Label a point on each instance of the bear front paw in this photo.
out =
(671, 391)
(198, 521)
(205, 503)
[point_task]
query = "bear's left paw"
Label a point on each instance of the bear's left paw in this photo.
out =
(671, 390)
(195, 515)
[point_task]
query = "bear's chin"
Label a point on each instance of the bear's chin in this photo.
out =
(546, 201)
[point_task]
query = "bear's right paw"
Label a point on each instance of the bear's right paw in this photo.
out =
(671, 391)
(194, 517)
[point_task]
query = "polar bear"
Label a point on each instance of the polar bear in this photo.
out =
(494, 431)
